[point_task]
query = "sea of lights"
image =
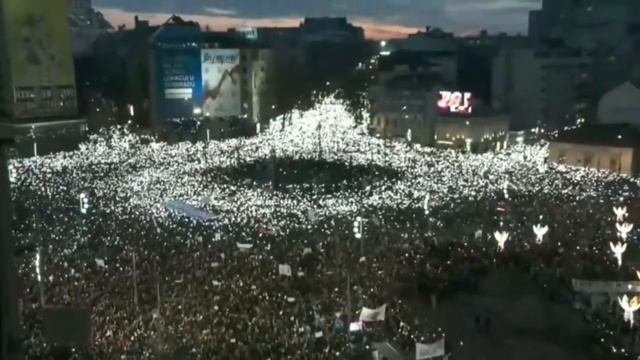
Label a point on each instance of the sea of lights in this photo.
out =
(119, 179)
(124, 173)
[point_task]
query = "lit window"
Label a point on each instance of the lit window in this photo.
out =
(562, 156)
(588, 159)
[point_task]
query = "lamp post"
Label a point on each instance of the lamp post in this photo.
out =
(358, 232)
(319, 128)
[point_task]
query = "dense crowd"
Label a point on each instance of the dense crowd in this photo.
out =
(159, 283)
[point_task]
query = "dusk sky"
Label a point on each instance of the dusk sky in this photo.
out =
(380, 18)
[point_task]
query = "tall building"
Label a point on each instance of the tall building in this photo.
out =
(115, 70)
(81, 6)
(417, 105)
(330, 29)
(403, 100)
(440, 48)
(38, 100)
(542, 87)
(38, 79)
(87, 25)
(175, 72)
(208, 80)
(586, 24)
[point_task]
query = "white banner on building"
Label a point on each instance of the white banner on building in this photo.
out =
(221, 81)
(428, 351)
(608, 287)
(377, 314)
(284, 269)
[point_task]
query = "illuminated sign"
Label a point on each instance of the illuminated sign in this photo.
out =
(179, 82)
(249, 33)
(455, 102)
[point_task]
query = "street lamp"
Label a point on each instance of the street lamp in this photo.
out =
(358, 232)
(84, 203)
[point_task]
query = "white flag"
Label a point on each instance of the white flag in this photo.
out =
(100, 262)
(244, 246)
(429, 351)
(378, 314)
(284, 269)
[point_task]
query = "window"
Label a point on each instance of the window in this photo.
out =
(588, 159)
(562, 157)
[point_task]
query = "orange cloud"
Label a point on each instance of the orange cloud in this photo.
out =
(373, 30)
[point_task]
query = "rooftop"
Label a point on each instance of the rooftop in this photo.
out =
(414, 82)
(176, 29)
(619, 135)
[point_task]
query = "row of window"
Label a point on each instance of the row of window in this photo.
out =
(392, 122)
(588, 161)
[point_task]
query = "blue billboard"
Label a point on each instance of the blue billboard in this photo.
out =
(179, 82)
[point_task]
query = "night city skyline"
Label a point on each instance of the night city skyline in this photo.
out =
(381, 19)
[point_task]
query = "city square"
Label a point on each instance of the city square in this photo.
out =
(180, 247)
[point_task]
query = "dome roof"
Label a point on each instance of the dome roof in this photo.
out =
(620, 105)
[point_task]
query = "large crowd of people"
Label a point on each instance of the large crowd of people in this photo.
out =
(159, 282)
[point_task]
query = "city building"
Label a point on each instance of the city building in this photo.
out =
(439, 48)
(115, 70)
(481, 130)
(330, 29)
(38, 101)
(87, 25)
(585, 24)
(604, 28)
(476, 55)
(542, 87)
(608, 147)
(209, 83)
(413, 104)
(404, 101)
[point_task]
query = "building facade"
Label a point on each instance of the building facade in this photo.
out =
(542, 87)
(475, 132)
(605, 147)
(440, 49)
(404, 100)
(415, 106)
(38, 78)
(586, 24)
(87, 25)
(207, 82)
